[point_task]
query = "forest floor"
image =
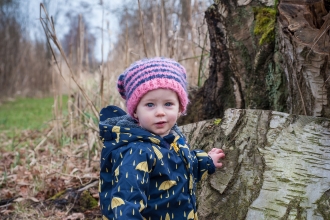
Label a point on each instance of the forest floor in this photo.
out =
(49, 173)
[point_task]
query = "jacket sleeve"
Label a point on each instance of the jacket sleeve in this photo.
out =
(203, 164)
(124, 181)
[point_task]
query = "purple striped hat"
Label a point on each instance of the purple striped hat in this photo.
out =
(149, 74)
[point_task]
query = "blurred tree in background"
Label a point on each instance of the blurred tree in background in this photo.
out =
(171, 28)
(79, 44)
(24, 64)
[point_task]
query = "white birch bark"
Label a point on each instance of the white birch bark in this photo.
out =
(277, 166)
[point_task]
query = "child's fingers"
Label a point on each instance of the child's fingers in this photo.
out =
(218, 150)
(215, 151)
(221, 155)
(218, 165)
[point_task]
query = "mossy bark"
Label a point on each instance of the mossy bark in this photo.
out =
(280, 62)
(276, 166)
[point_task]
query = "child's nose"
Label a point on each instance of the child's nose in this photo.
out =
(160, 111)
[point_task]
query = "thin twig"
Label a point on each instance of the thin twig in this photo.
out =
(74, 202)
(92, 184)
(43, 140)
(81, 157)
(126, 46)
(173, 43)
(102, 62)
(142, 27)
(154, 31)
(201, 62)
(301, 97)
(325, 27)
(194, 57)
(64, 174)
(163, 42)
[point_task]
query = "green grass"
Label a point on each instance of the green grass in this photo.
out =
(27, 113)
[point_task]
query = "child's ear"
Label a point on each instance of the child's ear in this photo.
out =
(135, 115)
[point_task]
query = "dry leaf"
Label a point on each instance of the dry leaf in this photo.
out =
(75, 216)
(33, 199)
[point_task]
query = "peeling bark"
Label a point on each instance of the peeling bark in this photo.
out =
(276, 167)
(304, 44)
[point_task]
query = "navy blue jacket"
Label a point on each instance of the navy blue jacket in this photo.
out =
(145, 176)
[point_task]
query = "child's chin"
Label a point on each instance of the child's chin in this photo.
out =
(163, 134)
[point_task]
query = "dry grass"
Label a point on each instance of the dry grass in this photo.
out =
(41, 168)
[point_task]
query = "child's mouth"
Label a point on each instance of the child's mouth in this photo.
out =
(160, 124)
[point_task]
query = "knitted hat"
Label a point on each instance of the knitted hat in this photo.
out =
(149, 74)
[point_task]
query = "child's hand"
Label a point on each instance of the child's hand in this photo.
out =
(216, 154)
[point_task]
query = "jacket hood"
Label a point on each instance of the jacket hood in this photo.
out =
(120, 128)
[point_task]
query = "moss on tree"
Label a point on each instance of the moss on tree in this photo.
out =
(265, 24)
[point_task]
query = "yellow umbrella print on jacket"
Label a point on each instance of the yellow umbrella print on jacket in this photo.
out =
(117, 173)
(192, 215)
(116, 129)
(166, 185)
(142, 206)
(115, 202)
(143, 166)
(104, 217)
(158, 154)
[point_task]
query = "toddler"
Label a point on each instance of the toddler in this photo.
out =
(147, 169)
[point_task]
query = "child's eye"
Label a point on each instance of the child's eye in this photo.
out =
(168, 104)
(149, 104)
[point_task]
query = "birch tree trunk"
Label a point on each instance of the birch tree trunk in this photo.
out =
(266, 55)
(277, 166)
(303, 31)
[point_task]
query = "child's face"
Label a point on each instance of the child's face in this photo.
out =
(158, 111)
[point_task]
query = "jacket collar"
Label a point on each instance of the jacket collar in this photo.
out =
(114, 122)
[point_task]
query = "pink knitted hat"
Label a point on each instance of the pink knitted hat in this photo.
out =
(149, 74)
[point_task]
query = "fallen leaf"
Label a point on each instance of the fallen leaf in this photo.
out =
(75, 216)
(33, 199)
(24, 190)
